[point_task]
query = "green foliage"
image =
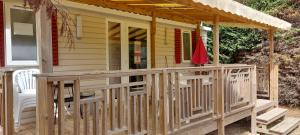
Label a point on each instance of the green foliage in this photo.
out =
(265, 5)
(233, 40)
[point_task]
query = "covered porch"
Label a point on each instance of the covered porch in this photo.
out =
(175, 100)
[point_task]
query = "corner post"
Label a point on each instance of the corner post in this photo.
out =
(216, 31)
(221, 111)
(273, 70)
(153, 34)
(44, 40)
(45, 98)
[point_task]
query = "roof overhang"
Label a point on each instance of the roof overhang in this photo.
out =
(230, 13)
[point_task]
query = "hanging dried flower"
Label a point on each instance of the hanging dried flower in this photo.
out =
(52, 8)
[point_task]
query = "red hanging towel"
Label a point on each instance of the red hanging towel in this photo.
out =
(200, 55)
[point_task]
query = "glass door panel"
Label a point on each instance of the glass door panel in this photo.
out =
(137, 50)
(114, 46)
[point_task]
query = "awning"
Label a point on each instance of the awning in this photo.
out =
(233, 7)
(230, 13)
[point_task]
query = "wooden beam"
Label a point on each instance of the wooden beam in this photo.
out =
(153, 34)
(216, 46)
(44, 40)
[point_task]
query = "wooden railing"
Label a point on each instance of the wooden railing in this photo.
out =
(159, 101)
(267, 82)
(263, 81)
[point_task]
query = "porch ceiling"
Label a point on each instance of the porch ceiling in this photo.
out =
(230, 13)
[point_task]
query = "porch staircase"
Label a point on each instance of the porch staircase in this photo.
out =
(272, 120)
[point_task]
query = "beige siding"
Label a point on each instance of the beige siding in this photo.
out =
(89, 52)
(164, 46)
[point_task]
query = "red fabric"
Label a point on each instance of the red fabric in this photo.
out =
(194, 40)
(177, 46)
(2, 54)
(54, 39)
(200, 55)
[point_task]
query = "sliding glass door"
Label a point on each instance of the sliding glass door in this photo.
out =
(128, 47)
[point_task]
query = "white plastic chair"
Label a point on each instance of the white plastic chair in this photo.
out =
(24, 92)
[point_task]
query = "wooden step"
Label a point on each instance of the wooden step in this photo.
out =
(263, 104)
(271, 116)
(285, 126)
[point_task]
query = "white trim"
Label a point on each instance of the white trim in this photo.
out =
(182, 45)
(8, 48)
(114, 12)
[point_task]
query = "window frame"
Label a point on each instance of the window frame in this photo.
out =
(8, 40)
(182, 45)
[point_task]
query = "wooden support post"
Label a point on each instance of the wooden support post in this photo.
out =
(153, 34)
(253, 100)
(155, 81)
(221, 122)
(273, 70)
(8, 103)
(44, 40)
(216, 41)
(42, 126)
(163, 103)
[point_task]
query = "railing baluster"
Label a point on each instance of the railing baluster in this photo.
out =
(104, 115)
(113, 109)
(171, 105)
(61, 105)
(178, 100)
(121, 108)
(141, 113)
(96, 118)
(50, 94)
(148, 92)
(86, 118)
(135, 115)
(76, 111)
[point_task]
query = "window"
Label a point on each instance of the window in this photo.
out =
(186, 43)
(21, 44)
